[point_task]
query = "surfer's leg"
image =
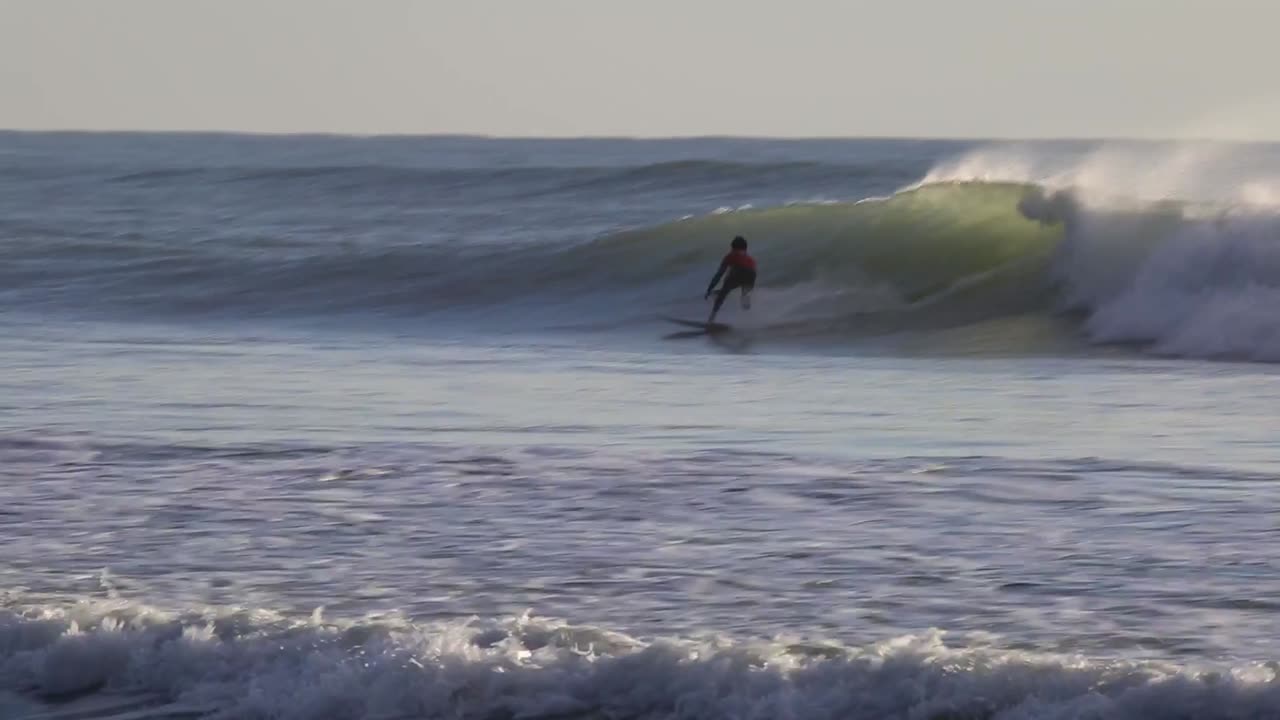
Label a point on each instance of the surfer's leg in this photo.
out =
(746, 279)
(730, 284)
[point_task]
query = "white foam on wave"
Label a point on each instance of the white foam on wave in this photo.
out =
(1209, 290)
(253, 663)
(1175, 247)
(1195, 171)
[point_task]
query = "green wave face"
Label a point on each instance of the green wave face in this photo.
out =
(917, 244)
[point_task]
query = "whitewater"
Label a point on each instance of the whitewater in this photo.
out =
(392, 427)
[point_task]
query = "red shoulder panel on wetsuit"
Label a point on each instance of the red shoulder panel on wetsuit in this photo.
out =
(740, 259)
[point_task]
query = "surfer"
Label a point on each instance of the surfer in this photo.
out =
(741, 269)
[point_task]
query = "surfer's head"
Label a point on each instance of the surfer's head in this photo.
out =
(739, 243)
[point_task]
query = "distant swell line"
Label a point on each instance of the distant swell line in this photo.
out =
(677, 171)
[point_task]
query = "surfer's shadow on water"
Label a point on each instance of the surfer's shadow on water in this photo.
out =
(729, 342)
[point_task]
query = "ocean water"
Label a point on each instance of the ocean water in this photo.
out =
(336, 427)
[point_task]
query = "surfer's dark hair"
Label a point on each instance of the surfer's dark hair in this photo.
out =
(739, 243)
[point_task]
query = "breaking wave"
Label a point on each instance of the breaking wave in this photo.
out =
(103, 658)
(1126, 258)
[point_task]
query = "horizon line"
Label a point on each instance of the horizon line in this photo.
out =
(631, 138)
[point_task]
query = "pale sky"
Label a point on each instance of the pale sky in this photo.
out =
(959, 68)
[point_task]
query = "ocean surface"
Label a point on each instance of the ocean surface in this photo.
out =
(341, 427)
